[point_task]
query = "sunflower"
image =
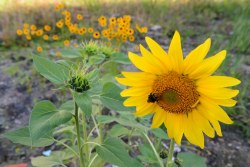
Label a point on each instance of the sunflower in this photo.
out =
(181, 93)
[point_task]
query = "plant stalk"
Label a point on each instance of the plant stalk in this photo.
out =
(78, 135)
(85, 137)
(170, 153)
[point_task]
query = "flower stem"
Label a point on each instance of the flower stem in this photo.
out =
(170, 153)
(78, 135)
(155, 152)
(85, 136)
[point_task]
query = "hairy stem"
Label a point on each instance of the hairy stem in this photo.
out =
(170, 153)
(78, 135)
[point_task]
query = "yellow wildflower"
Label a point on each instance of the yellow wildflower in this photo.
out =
(183, 94)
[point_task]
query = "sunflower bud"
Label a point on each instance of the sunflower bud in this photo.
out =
(78, 80)
(79, 84)
(164, 154)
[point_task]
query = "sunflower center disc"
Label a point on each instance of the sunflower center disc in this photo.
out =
(175, 93)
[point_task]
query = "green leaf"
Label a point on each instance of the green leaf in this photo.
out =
(84, 101)
(120, 58)
(56, 158)
(56, 73)
(111, 98)
(104, 119)
(158, 132)
(125, 122)
(112, 150)
(192, 160)
(97, 59)
(22, 136)
(68, 106)
(66, 63)
(70, 53)
(118, 130)
(147, 153)
(44, 118)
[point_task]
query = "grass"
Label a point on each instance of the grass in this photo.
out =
(225, 21)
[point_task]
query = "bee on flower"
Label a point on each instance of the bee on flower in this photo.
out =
(183, 94)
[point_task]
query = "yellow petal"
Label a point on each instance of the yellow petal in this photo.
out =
(203, 123)
(218, 93)
(193, 133)
(196, 56)
(136, 91)
(152, 59)
(169, 124)
(158, 118)
(139, 75)
(208, 66)
(216, 126)
(202, 110)
(134, 101)
(138, 83)
(158, 52)
(143, 64)
(145, 111)
(178, 127)
(224, 102)
(216, 111)
(175, 53)
(217, 82)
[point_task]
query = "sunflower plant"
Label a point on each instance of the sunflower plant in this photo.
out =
(172, 97)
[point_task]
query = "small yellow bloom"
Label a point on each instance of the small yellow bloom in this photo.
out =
(39, 32)
(39, 48)
(26, 31)
(90, 30)
(59, 24)
(55, 37)
(28, 37)
(46, 37)
(79, 17)
(144, 29)
(131, 38)
(105, 33)
(58, 54)
(26, 25)
(66, 42)
(127, 18)
(82, 31)
(33, 27)
(33, 32)
(96, 35)
(130, 31)
(102, 21)
(19, 32)
(75, 45)
(47, 28)
(112, 20)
